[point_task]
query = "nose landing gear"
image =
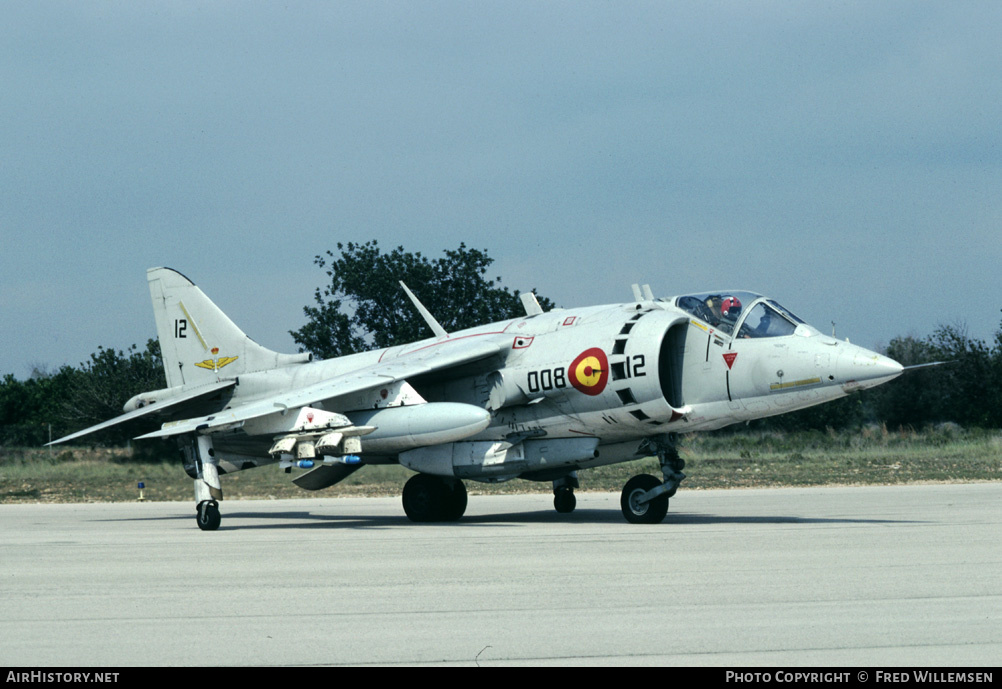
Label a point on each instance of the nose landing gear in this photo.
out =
(644, 499)
(637, 504)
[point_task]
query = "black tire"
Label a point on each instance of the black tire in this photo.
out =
(456, 500)
(652, 512)
(564, 501)
(425, 497)
(207, 515)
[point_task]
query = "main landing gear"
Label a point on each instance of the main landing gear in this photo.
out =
(644, 499)
(430, 498)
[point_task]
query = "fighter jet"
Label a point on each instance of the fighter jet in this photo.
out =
(538, 397)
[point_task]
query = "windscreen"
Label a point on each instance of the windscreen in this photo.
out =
(765, 321)
(722, 310)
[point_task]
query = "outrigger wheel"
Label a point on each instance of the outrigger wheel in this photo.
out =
(207, 515)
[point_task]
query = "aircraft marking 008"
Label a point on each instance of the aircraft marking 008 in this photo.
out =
(574, 389)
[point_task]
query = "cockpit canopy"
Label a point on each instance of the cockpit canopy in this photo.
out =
(743, 314)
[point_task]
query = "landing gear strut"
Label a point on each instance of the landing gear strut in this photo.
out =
(644, 499)
(208, 490)
(430, 498)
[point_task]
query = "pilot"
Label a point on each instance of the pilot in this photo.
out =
(730, 308)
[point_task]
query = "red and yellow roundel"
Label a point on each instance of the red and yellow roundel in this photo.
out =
(589, 372)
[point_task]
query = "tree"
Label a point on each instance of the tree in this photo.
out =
(363, 305)
(25, 409)
(966, 390)
(73, 398)
(970, 386)
(917, 398)
(97, 390)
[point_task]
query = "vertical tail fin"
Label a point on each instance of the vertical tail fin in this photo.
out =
(198, 342)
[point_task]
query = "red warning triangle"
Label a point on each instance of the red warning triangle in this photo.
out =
(729, 357)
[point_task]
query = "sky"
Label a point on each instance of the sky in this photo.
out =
(844, 158)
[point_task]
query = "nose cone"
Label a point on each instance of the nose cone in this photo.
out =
(860, 368)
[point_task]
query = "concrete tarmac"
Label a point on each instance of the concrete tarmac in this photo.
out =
(873, 576)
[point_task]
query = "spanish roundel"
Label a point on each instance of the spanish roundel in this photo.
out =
(589, 372)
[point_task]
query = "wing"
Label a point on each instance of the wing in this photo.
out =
(188, 396)
(437, 357)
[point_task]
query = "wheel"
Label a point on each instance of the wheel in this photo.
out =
(648, 513)
(429, 498)
(421, 497)
(207, 515)
(564, 501)
(456, 499)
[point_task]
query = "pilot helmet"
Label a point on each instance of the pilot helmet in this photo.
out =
(730, 307)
